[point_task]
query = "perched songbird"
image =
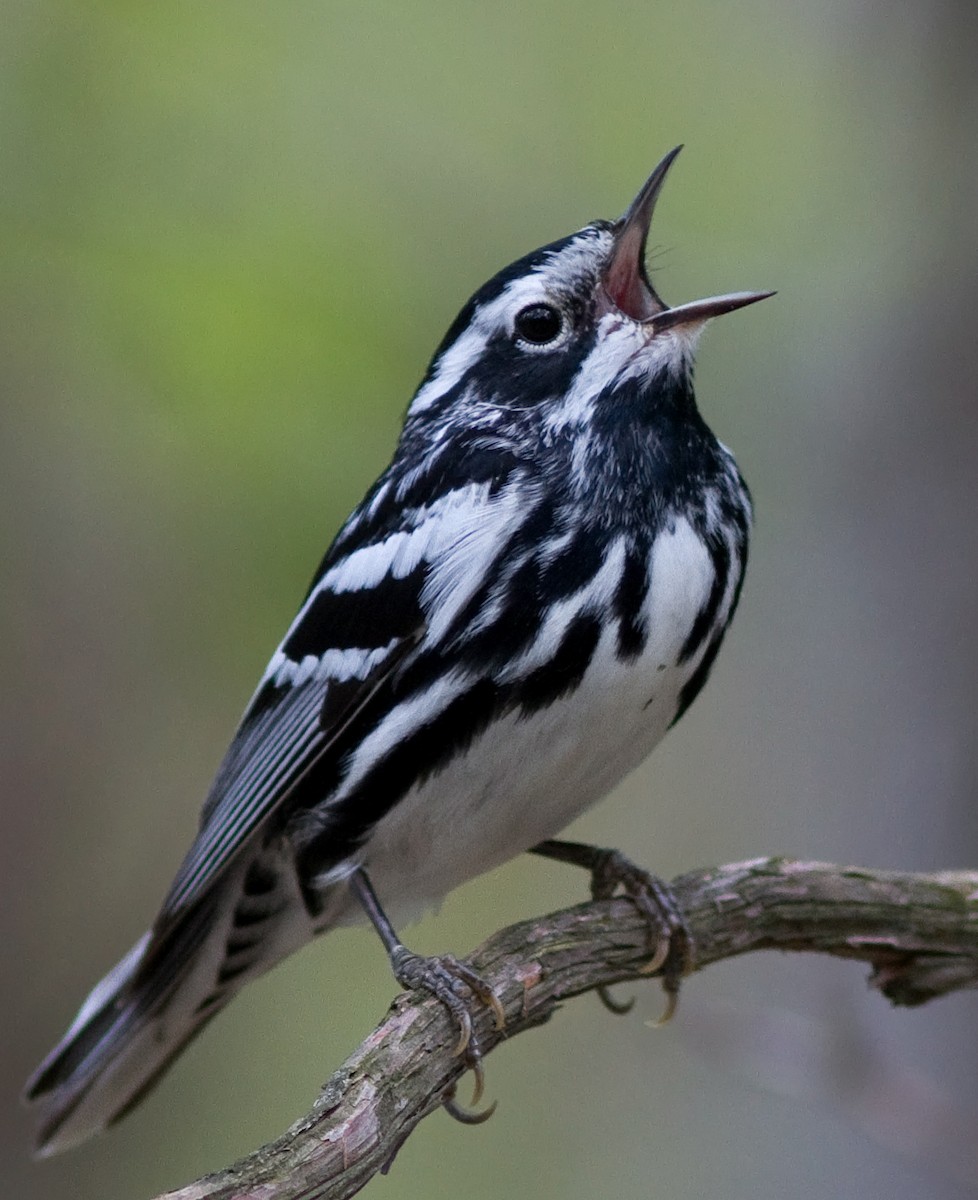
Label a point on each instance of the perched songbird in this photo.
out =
(528, 597)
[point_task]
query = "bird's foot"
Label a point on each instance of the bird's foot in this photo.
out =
(454, 984)
(670, 942)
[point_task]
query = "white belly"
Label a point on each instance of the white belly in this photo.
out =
(523, 781)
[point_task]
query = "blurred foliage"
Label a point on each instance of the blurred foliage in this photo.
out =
(230, 235)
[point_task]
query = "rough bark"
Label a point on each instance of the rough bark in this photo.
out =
(919, 934)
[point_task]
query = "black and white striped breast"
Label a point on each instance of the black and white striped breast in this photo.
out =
(473, 764)
(555, 657)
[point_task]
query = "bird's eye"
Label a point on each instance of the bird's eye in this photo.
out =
(539, 324)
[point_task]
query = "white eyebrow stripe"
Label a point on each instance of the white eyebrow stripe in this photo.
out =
(561, 270)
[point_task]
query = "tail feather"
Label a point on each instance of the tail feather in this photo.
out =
(149, 1006)
(89, 1028)
(127, 1032)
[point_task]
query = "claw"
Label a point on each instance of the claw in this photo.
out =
(479, 1082)
(619, 1007)
(464, 1115)
(497, 1010)
(658, 958)
(478, 986)
(671, 988)
(464, 1033)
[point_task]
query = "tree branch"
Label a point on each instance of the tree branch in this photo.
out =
(919, 933)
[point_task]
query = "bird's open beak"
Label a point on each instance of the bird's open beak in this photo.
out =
(626, 280)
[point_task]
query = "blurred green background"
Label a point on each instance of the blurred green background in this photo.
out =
(231, 236)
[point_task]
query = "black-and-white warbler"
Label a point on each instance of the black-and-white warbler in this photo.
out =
(531, 594)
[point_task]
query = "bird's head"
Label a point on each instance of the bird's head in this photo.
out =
(568, 324)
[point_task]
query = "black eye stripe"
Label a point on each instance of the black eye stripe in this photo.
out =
(539, 324)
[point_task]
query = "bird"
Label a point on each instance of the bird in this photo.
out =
(529, 596)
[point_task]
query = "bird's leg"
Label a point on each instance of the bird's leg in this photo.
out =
(670, 942)
(450, 981)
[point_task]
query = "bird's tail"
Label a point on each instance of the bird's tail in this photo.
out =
(143, 1013)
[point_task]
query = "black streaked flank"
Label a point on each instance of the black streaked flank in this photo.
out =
(562, 674)
(573, 566)
(694, 685)
(417, 757)
(629, 602)
(518, 618)
(514, 571)
(706, 617)
(436, 744)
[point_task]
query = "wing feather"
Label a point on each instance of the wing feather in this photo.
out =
(316, 682)
(365, 615)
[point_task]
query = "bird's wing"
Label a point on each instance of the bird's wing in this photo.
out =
(388, 588)
(344, 644)
(288, 730)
